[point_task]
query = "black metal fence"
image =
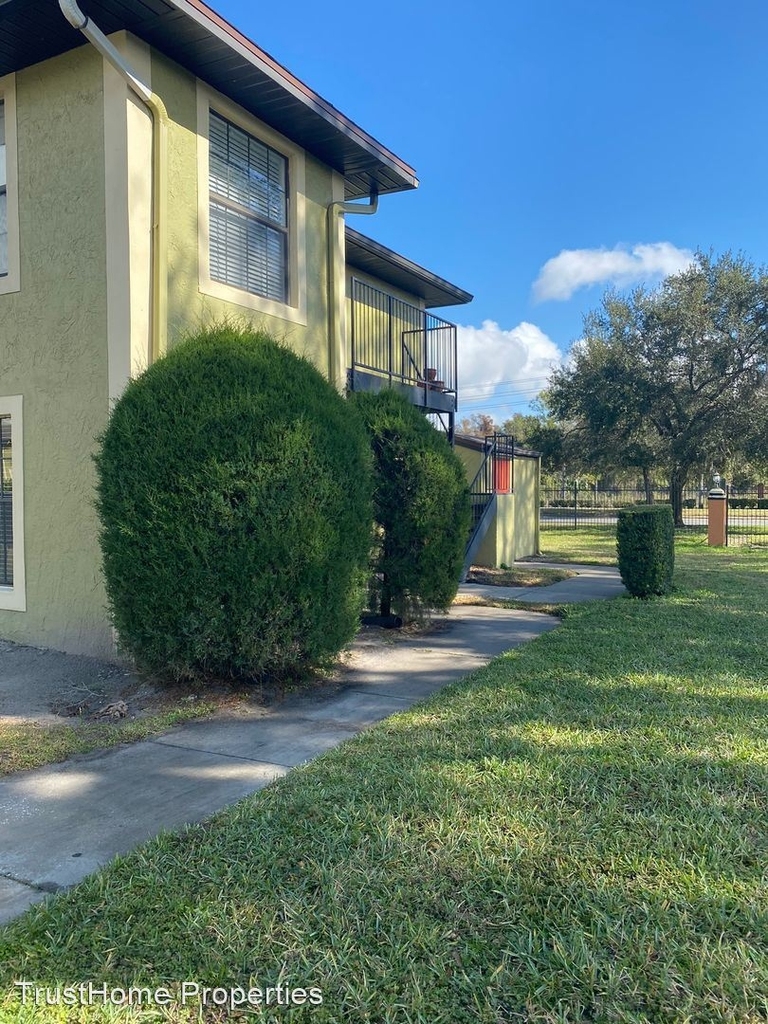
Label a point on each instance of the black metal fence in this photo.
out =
(746, 516)
(572, 506)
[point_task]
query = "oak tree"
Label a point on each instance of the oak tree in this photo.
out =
(673, 377)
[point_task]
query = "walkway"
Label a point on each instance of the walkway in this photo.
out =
(591, 583)
(61, 822)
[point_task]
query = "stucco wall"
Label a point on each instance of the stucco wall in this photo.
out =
(188, 306)
(53, 349)
(526, 512)
(376, 282)
(514, 532)
(471, 458)
(61, 351)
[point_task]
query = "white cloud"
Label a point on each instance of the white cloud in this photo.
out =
(493, 362)
(572, 269)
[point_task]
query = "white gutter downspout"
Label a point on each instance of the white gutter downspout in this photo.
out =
(159, 257)
(335, 368)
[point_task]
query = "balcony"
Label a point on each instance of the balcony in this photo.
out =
(395, 344)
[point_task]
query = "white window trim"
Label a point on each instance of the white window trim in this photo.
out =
(15, 598)
(295, 310)
(11, 282)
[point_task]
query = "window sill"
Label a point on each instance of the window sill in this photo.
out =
(12, 599)
(9, 284)
(269, 307)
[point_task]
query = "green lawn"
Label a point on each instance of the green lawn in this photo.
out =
(30, 744)
(578, 832)
(592, 545)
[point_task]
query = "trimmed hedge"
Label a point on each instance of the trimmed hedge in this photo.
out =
(645, 537)
(743, 503)
(421, 508)
(234, 493)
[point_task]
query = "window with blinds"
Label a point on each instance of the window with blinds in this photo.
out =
(6, 503)
(3, 197)
(248, 212)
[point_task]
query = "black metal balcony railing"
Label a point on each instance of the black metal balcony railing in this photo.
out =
(393, 339)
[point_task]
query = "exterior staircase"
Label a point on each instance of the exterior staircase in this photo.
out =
(482, 494)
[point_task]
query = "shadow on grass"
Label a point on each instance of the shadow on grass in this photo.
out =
(576, 832)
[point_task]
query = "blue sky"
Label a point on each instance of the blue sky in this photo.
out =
(561, 146)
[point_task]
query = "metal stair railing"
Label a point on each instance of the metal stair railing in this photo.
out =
(481, 490)
(483, 486)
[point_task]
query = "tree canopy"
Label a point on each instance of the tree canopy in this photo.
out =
(673, 377)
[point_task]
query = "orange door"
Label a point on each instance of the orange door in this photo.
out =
(501, 475)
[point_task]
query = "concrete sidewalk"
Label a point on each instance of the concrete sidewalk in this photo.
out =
(61, 822)
(592, 582)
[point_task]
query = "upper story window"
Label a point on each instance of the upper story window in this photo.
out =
(3, 196)
(248, 227)
(9, 192)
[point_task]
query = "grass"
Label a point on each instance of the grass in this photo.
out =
(30, 744)
(588, 545)
(578, 832)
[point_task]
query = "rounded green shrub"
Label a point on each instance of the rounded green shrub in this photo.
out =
(234, 494)
(645, 540)
(421, 508)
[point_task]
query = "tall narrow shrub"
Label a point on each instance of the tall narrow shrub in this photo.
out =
(645, 540)
(421, 508)
(234, 493)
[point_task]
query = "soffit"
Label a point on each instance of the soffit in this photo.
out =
(363, 253)
(196, 37)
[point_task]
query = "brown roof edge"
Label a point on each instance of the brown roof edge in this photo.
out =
(314, 99)
(452, 295)
(478, 444)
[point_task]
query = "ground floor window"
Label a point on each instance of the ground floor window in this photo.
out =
(11, 518)
(6, 502)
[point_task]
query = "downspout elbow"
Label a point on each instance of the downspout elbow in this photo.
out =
(73, 14)
(365, 208)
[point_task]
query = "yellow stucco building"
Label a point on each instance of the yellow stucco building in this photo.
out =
(159, 171)
(505, 481)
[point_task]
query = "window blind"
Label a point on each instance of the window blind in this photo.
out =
(248, 212)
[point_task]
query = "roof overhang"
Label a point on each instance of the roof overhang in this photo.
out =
(387, 265)
(192, 34)
(478, 444)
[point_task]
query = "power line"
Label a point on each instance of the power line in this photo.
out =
(498, 397)
(470, 410)
(506, 383)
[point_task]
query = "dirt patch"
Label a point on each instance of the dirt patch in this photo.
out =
(534, 576)
(52, 688)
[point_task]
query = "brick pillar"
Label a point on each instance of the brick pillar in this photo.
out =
(716, 532)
